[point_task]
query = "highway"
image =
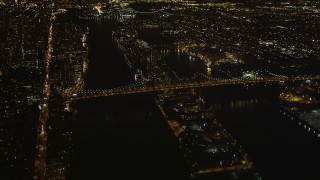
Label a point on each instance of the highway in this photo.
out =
(40, 159)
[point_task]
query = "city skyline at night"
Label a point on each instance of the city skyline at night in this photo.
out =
(221, 89)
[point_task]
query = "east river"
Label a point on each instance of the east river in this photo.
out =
(126, 137)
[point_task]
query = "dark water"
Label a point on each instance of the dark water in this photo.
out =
(125, 137)
(277, 146)
(106, 67)
(120, 137)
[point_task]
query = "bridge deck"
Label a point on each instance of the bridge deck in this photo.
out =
(143, 88)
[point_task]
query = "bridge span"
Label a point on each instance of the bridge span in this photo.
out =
(74, 94)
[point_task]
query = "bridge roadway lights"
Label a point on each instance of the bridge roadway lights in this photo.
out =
(131, 89)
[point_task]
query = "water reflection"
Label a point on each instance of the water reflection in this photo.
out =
(246, 103)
